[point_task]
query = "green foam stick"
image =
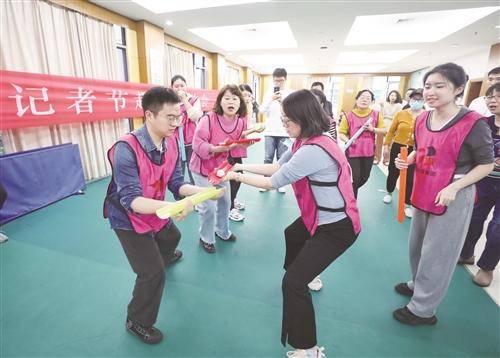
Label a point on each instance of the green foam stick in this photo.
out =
(177, 207)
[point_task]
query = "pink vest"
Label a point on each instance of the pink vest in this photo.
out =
(153, 178)
(218, 135)
(303, 191)
(436, 158)
(187, 126)
(364, 145)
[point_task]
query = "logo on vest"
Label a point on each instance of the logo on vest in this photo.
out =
(427, 154)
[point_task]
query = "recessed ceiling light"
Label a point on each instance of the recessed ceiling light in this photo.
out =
(370, 57)
(497, 27)
(455, 45)
(161, 7)
(429, 26)
(267, 35)
(169, 22)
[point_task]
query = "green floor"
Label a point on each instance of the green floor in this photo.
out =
(65, 284)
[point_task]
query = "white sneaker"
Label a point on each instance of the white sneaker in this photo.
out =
(314, 352)
(316, 284)
(238, 205)
(3, 237)
(387, 198)
(408, 212)
(262, 190)
(282, 190)
(235, 215)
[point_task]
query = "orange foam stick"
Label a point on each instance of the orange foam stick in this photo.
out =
(403, 154)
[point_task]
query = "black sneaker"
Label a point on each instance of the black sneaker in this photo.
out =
(210, 248)
(231, 238)
(149, 335)
(403, 289)
(176, 257)
(404, 315)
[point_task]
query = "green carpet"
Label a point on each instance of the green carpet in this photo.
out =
(65, 285)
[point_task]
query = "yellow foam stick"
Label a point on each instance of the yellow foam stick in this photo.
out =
(177, 207)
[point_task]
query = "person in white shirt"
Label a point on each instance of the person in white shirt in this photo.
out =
(479, 104)
(275, 134)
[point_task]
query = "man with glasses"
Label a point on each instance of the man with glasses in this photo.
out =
(479, 104)
(274, 134)
(144, 163)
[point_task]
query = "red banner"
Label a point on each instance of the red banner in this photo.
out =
(33, 99)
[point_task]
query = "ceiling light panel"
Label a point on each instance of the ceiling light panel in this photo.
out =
(370, 57)
(268, 35)
(417, 27)
(358, 69)
(278, 60)
(167, 6)
(289, 70)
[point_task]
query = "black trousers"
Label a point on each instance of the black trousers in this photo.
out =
(393, 174)
(361, 168)
(3, 195)
(306, 257)
(235, 185)
(148, 256)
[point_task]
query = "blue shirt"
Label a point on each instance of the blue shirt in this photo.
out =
(126, 185)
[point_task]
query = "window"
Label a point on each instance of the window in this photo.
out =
(382, 85)
(332, 92)
(200, 71)
(121, 52)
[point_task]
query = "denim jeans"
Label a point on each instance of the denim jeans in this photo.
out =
(488, 192)
(274, 145)
(214, 214)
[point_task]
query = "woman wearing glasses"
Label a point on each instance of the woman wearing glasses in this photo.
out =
(361, 153)
(488, 193)
(329, 221)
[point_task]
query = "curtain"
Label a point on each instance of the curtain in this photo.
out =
(178, 62)
(41, 37)
(232, 76)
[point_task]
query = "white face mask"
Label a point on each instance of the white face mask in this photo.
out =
(416, 105)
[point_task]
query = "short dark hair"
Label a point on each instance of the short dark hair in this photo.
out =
(363, 91)
(493, 87)
(234, 90)
(452, 72)
(154, 99)
(175, 78)
(279, 72)
(410, 89)
(398, 96)
(494, 71)
(245, 87)
(303, 108)
(417, 92)
(317, 83)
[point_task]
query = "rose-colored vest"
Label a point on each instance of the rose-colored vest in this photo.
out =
(364, 145)
(218, 135)
(436, 158)
(303, 191)
(187, 126)
(153, 178)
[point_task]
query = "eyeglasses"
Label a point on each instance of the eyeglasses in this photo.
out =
(491, 98)
(176, 120)
(285, 120)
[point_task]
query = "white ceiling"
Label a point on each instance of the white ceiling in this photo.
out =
(319, 23)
